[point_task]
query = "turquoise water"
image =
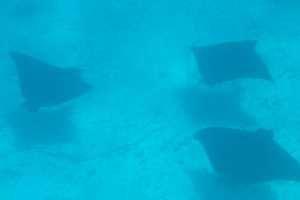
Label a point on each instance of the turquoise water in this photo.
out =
(131, 136)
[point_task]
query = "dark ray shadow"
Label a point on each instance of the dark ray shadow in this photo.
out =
(208, 189)
(46, 127)
(217, 106)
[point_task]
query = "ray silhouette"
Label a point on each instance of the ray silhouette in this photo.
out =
(229, 61)
(44, 85)
(245, 157)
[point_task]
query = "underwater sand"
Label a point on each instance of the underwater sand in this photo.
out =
(131, 137)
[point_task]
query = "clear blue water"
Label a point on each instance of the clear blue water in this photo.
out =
(131, 136)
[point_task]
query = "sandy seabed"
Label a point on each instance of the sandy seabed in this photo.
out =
(131, 137)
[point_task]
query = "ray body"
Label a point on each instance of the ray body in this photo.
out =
(229, 61)
(44, 85)
(245, 157)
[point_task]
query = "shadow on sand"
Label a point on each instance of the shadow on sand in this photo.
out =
(207, 188)
(46, 127)
(217, 106)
